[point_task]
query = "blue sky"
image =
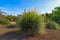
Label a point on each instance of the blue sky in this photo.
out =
(15, 7)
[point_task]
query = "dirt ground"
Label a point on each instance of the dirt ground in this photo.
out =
(9, 34)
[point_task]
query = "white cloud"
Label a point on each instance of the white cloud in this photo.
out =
(5, 10)
(51, 5)
(56, 2)
(11, 12)
(47, 7)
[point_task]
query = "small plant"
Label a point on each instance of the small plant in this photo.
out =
(31, 22)
(4, 21)
(52, 24)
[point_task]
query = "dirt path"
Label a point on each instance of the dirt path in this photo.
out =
(10, 35)
(52, 34)
(6, 30)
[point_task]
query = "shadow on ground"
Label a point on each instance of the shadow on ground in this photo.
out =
(10, 26)
(13, 36)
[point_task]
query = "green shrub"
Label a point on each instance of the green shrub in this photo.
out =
(52, 24)
(4, 21)
(42, 25)
(31, 22)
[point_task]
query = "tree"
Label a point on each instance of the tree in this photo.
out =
(56, 14)
(11, 17)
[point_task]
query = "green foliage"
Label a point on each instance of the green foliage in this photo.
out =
(11, 17)
(4, 21)
(52, 24)
(31, 22)
(55, 15)
(42, 24)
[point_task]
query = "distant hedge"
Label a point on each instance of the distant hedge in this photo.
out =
(4, 21)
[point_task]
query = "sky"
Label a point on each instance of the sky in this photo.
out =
(15, 7)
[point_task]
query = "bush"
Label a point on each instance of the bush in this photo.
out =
(31, 22)
(11, 17)
(4, 21)
(52, 24)
(42, 25)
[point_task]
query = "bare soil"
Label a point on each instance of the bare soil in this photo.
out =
(10, 34)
